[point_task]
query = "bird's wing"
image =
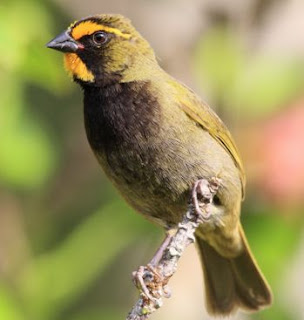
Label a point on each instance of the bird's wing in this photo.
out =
(205, 116)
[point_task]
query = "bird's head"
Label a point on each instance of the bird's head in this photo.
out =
(102, 49)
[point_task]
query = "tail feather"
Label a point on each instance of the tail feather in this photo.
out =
(233, 283)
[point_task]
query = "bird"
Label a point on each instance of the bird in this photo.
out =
(155, 139)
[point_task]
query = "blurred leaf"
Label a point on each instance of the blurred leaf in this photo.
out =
(27, 56)
(45, 69)
(13, 42)
(10, 101)
(254, 85)
(9, 308)
(57, 278)
(218, 60)
(266, 84)
(26, 156)
(273, 239)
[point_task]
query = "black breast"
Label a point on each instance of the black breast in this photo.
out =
(122, 124)
(125, 113)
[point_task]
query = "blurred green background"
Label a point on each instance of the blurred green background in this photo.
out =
(68, 243)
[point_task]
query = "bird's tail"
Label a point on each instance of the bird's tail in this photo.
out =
(233, 283)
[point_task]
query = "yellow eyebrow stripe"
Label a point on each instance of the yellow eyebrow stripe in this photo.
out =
(89, 27)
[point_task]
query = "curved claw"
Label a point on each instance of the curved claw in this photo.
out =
(201, 187)
(138, 278)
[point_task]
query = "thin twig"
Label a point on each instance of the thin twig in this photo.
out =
(153, 281)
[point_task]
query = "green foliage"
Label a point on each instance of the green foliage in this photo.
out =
(61, 270)
(9, 308)
(218, 61)
(253, 85)
(27, 154)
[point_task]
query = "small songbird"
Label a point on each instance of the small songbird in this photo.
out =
(154, 139)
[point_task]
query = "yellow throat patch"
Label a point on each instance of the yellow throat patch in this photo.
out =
(75, 67)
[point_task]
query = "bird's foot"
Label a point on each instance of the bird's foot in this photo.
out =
(152, 284)
(202, 197)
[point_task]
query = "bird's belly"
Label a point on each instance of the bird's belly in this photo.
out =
(147, 183)
(156, 177)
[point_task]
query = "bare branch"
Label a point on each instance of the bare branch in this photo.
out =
(152, 280)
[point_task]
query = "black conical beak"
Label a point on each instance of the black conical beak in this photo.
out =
(64, 43)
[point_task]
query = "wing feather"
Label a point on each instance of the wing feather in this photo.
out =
(209, 121)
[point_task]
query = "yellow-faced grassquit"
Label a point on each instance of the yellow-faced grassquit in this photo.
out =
(154, 138)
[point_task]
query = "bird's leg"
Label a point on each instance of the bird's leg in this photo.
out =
(160, 251)
(202, 196)
(148, 279)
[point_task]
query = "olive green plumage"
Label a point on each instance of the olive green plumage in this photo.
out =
(154, 138)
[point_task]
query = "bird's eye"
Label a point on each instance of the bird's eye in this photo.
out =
(100, 37)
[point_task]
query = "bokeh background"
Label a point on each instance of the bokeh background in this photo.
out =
(68, 243)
